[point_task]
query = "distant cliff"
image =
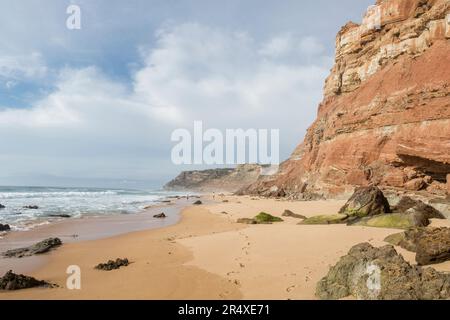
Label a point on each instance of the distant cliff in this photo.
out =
(385, 117)
(229, 180)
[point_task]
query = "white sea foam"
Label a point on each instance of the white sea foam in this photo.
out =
(76, 202)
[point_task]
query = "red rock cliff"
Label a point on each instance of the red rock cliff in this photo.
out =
(385, 117)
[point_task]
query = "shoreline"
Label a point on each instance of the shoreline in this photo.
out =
(207, 255)
(85, 228)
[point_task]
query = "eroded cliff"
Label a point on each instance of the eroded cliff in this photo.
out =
(385, 117)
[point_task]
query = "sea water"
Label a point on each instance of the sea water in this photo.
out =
(75, 202)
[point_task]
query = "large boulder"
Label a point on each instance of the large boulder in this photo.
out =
(12, 281)
(366, 201)
(38, 248)
(408, 205)
(261, 218)
(371, 273)
(432, 245)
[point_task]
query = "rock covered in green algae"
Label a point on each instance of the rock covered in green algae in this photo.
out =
(38, 248)
(371, 273)
(394, 220)
(261, 218)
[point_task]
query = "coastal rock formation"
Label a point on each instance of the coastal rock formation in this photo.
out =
(2, 206)
(4, 227)
(160, 216)
(406, 204)
(385, 117)
(216, 179)
(12, 281)
(371, 273)
(38, 248)
(366, 201)
(113, 265)
(432, 245)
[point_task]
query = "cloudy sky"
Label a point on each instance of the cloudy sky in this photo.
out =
(98, 105)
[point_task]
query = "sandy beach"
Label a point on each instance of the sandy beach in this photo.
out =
(207, 255)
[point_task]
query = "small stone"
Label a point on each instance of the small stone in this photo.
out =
(160, 216)
(113, 265)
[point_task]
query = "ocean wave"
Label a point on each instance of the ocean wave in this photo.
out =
(75, 202)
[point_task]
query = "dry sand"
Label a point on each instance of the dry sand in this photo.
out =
(207, 255)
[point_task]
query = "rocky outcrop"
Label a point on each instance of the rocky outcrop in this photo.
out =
(366, 201)
(38, 248)
(370, 273)
(229, 180)
(406, 204)
(113, 265)
(385, 117)
(161, 215)
(432, 245)
(12, 281)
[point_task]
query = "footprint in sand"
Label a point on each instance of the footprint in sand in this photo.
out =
(289, 289)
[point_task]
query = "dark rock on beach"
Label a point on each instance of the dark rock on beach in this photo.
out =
(2, 206)
(366, 201)
(4, 227)
(59, 216)
(198, 202)
(38, 248)
(407, 204)
(32, 207)
(431, 245)
(370, 273)
(12, 281)
(113, 265)
(160, 216)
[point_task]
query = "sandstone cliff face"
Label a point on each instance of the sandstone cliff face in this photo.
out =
(385, 117)
(216, 179)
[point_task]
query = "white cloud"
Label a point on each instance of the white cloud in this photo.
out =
(18, 67)
(194, 72)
